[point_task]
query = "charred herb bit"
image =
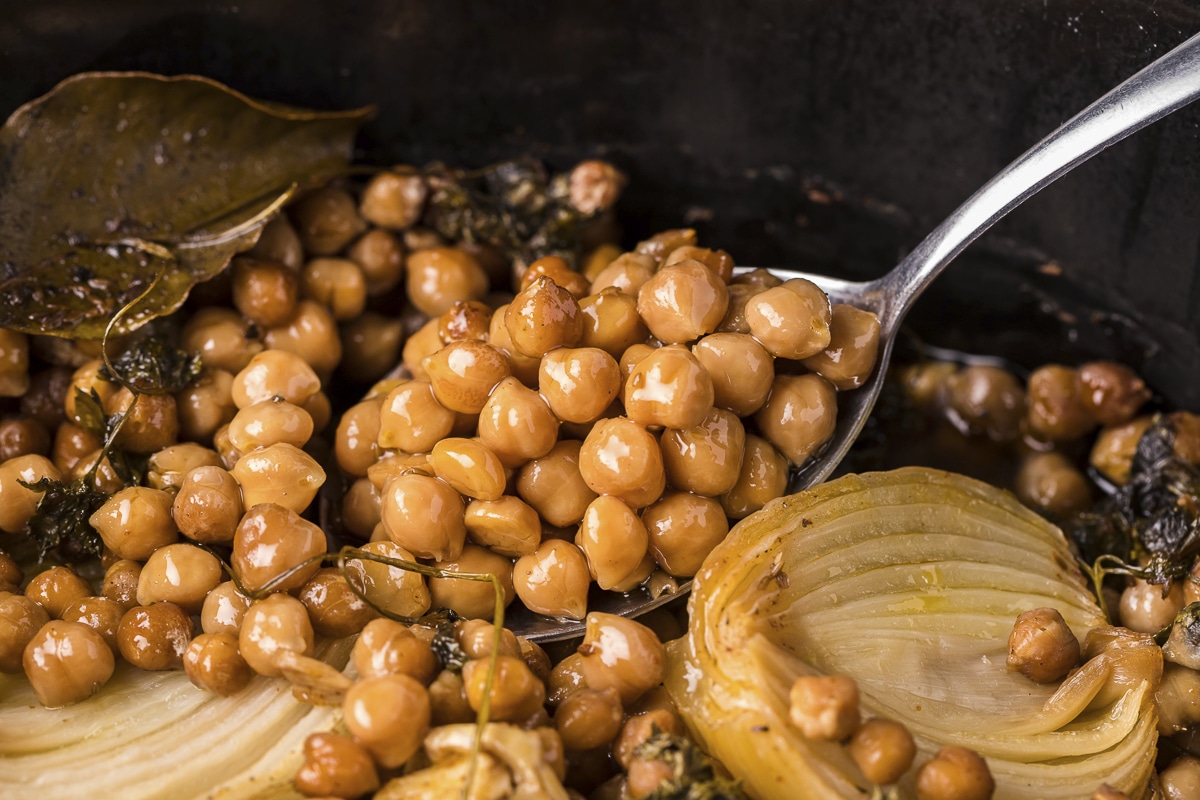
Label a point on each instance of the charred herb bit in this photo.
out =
(61, 520)
(151, 366)
(692, 774)
(446, 647)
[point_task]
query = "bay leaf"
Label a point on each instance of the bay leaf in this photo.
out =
(113, 181)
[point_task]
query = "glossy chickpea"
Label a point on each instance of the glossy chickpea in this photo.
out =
(386, 647)
(273, 626)
(66, 662)
(799, 416)
(682, 302)
(1181, 780)
(1145, 609)
(10, 573)
(638, 729)
(154, 637)
(470, 467)
(135, 522)
(741, 370)
(465, 321)
(17, 502)
(627, 273)
(557, 270)
(735, 314)
(849, 358)
(622, 654)
(705, 459)
(20, 620)
(334, 609)
(598, 258)
(181, 573)
(763, 477)
(71, 445)
(883, 750)
(213, 663)
(208, 506)
(168, 468)
(356, 440)
(336, 283)
(825, 706)
(412, 419)
(224, 609)
(542, 317)
(791, 320)
(614, 540)
(579, 383)
(516, 424)
(476, 637)
(524, 368)
(326, 220)
(683, 528)
(1041, 646)
(1055, 411)
(57, 588)
(121, 580)
(1187, 435)
(394, 463)
(362, 508)
(611, 322)
(593, 186)
(1110, 393)
(335, 766)
(389, 715)
(1049, 483)
(720, 262)
(424, 514)
(448, 699)
(394, 199)
(390, 589)
(464, 373)
(22, 436)
(275, 373)
(589, 718)
(380, 256)
(312, 334)
(1112, 453)
(554, 486)
(438, 277)
(621, 458)
(472, 599)
(98, 613)
(507, 526)
(279, 473)
(270, 422)
(668, 388)
(205, 405)
(424, 342)
(264, 291)
(418, 238)
(221, 336)
(97, 472)
(663, 242)
(14, 363)
(553, 580)
(271, 541)
(280, 242)
(955, 773)
(515, 692)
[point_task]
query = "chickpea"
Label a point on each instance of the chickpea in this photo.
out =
(524, 368)
(22, 618)
(100, 614)
(275, 373)
(1177, 699)
(168, 468)
(720, 262)
(507, 526)
(627, 273)
(985, 399)
(420, 345)
(279, 473)
(516, 424)
(825, 706)
(334, 609)
(705, 459)
(849, 359)
(599, 258)
(554, 486)
(472, 599)
(611, 322)
(370, 346)
(272, 541)
(221, 337)
(224, 609)
(389, 715)
(208, 507)
(463, 374)
(669, 387)
(683, 529)
(14, 363)
(683, 302)
(326, 220)
(439, 277)
(553, 580)
(386, 647)
(579, 384)
(477, 639)
(1041, 646)
(280, 242)
(1187, 435)
(45, 399)
(735, 314)
(566, 678)
(791, 320)
(393, 199)
(622, 654)
(741, 370)
(10, 573)
(800, 415)
(1106, 792)
(621, 458)
(1145, 609)
(589, 718)
(542, 317)
(614, 540)
(154, 637)
(270, 422)
(264, 291)
(336, 283)
(121, 580)
(1112, 453)
(71, 445)
(1049, 483)
(1181, 780)
(448, 699)
(390, 589)
(57, 588)
(424, 514)
(638, 729)
(22, 436)
(180, 573)
(380, 256)
(1110, 393)
(362, 508)
(515, 692)
(205, 405)
(955, 773)
(311, 334)
(883, 750)
(66, 662)
(335, 766)
(101, 476)
(417, 238)
(412, 419)
(135, 522)
(557, 270)
(213, 663)
(594, 185)
(465, 321)
(272, 626)
(658, 245)
(470, 467)
(18, 503)
(1055, 410)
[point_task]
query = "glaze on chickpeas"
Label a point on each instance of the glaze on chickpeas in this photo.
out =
(707, 458)
(155, 637)
(542, 317)
(621, 458)
(121, 581)
(1111, 393)
(264, 291)
(515, 692)
(22, 618)
(386, 647)
(389, 715)
(614, 540)
(553, 580)
(208, 506)
(100, 614)
(439, 277)
(335, 766)
(611, 321)
(621, 653)
(741, 370)
(393, 199)
(464, 373)
(311, 334)
(222, 338)
(1041, 646)
(274, 626)
(883, 750)
(224, 609)
(168, 468)
(213, 662)
(825, 706)
(336, 283)
(470, 467)
(507, 525)
(272, 541)
(627, 273)
(424, 515)
(66, 662)
(849, 358)
(554, 486)
(135, 522)
(279, 473)
(799, 416)
(557, 270)
(270, 422)
(412, 419)
(763, 477)
(579, 383)
(333, 607)
(18, 502)
(516, 424)
(181, 573)
(326, 220)
(955, 773)
(472, 599)
(791, 320)
(1055, 410)
(390, 589)
(683, 528)
(668, 388)
(56, 588)
(682, 302)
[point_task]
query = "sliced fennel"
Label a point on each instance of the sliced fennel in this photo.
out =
(910, 582)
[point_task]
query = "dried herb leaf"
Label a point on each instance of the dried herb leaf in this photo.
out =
(151, 366)
(447, 649)
(113, 179)
(61, 520)
(88, 412)
(692, 774)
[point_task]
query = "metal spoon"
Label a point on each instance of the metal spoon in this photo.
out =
(1164, 86)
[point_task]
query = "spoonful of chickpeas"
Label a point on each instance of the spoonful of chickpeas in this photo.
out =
(622, 422)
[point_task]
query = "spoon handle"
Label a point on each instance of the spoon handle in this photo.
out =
(1167, 84)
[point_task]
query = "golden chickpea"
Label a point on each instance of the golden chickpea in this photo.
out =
(683, 529)
(418, 238)
(955, 773)
(638, 729)
(311, 334)
(554, 486)
(181, 573)
(1055, 410)
(985, 399)
(424, 515)
(18, 503)
(335, 766)
(472, 599)
(1049, 483)
(1106, 792)
(507, 525)
(622, 654)
(380, 256)
(1181, 780)
(224, 609)
(22, 436)
(280, 242)
(279, 473)
(272, 540)
(791, 320)
(391, 589)
(542, 317)
(669, 388)
(627, 273)
(516, 424)
(56, 588)
(386, 647)
(799, 416)
(621, 458)
(735, 314)
(213, 663)
(611, 322)
(439, 277)
(121, 580)
(333, 607)
(741, 370)
(1112, 454)
(599, 258)
(205, 405)
(154, 637)
(419, 346)
(208, 507)
(20, 621)
(464, 373)
(393, 199)
(658, 245)
(362, 508)
(10, 573)
(272, 626)
(168, 468)
(849, 359)
(465, 321)
(14, 363)
(66, 662)
(264, 291)
(370, 346)
(389, 715)
(825, 706)
(579, 383)
(720, 262)
(71, 445)
(705, 459)
(1041, 646)
(275, 373)
(1111, 393)
(270, 422)
(100, 614)
(553, 580)
(763, 477)
(356, 440)
(594, 185)
(557, 270)
(326, 220)
(883, 750)
(683, 302)
(336, 283)
(470, 467)
(1145, 609)
(135, 522)
(448, 699)
(222, 338)
(614, 540)
(412, 419)
(477, 639)
(515, 692)
(102, 476)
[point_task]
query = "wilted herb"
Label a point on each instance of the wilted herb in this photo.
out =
(692, 774)
(61, 520)
(447, 649)
(151, 366)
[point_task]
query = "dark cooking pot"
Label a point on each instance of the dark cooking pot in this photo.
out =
(830, 136)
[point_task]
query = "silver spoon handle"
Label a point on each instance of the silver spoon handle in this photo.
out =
(1167, 84)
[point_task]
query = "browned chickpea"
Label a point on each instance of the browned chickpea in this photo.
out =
(336, 283)
(683, 302)
(791, 320)
(22, 436)
(763, 477)
(985, 399)
(627, 273)
(418, 238)
(611, 322)
(439, 277)
(955, 773)
(465, 321)
(683, 529)
(424, 515)
(589, 718)
(208, 506)
(86, 379)
(515, 692)
(1111, 393)
(270, 422)
(100, 614)
(393, 199)
(1049, 483)
(224, 609)
(477, 639)
(311, 334)
(66, 662)
(121, 581)
(10, 573)
(356, 440)
(566, 678)
(205, 405)
(275, 373)
(212, 662)
(20, 621)
(380, 255)
(272, 540)
(594, 185)
(741, 369)
(1041, 646)
(516, 424)
(154, 637)
(883, 750)
(168, 468)
(463, 374)
(181, 573)
(799, 416)
(280, 242)
(507, 525)
(335, 610)
(1181, 780)
(1187, 435)
(669, 388)
(391, 589)
(579, 383)
(557, 270)
(658, 245)
(448, 699)
(554, 486)
(390, 715)
(720, 262)
(614, 540)
(264, 291)
(370, 346)
(1112, 454)
(735, 314)
(412, 419)
(327, 220)
(45, 399)
(825, 706)
(135, 522)
(1055, 411)
(17, 503)
(849, 359)
(362, 508)
(273, 626)
(621, 458)
(222, 338)
(335, 766)
(639, 728)
(542, 317)
(470, 467)
(705, 459)
(386, 647)
(524, 368)
(71, 445)
(56, 588)
(472, 599)
(14, 363)
(279, 473)
(419, 346)
(101, 476)
(553, 580)
(623, 654)
(1145, 609)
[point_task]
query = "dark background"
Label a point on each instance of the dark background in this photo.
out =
(825, 135)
